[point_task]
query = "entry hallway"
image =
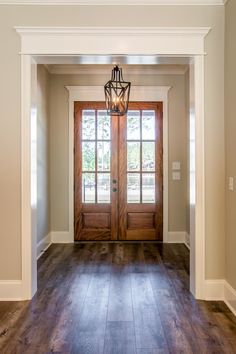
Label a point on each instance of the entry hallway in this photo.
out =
(115, 298)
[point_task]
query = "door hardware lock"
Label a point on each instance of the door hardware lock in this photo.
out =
(114, 189)
(114, 181)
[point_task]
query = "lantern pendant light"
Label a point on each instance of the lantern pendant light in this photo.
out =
(117, 93)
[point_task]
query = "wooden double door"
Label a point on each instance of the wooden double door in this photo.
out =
(118, 178)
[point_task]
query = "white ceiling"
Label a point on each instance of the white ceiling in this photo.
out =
(70, 69)
(89, 60)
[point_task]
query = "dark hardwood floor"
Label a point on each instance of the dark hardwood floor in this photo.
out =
(115, 298)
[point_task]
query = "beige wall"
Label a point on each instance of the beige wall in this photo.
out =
(43, 166)
(187, 137)
(10, 16)
(59, 142)
(230, 120)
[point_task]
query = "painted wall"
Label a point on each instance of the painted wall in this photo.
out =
(59, 142)
(187, 142)
(192, 174)
(43, 153)
(230, 122)
(10, 16)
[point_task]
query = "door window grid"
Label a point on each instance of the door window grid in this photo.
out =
(96, 156)
(141, 174)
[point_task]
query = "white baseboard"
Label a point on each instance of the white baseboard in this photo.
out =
(53, 237)
(179, 237)
(230, 297)
(61, 237)
(214, 289)
(10, 290)
(176, 237)
(187, 240)
(43, 245)
(221, 290)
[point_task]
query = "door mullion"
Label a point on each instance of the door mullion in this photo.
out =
(96, 157)
(141, 158)
(114, 176)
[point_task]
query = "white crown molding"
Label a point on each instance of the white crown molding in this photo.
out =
(114, 2)
(111, 31)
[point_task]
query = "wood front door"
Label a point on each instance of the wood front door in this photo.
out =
(118, 179)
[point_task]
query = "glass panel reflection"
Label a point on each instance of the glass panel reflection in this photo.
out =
(133, 188)
(148, 158)
(103, 156)
(148, 125)
(148, 187)
(88, 188)
(88, 156)
(88, 125)
(133, 156)
(133, 125)
(103, 187)
(104, 125)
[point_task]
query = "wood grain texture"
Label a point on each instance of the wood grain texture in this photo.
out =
(122, 179)
(114, 178)
(148, 327)
(120, 306)
(96, 220)
(114, 332)
(91, 220)
(141, 234)
(115, 298)
(141, 221)
(123, 225)
(135, 231)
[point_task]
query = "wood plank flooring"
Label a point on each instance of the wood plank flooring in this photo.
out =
(115, 298)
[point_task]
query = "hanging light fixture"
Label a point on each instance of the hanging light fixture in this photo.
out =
(117, 93)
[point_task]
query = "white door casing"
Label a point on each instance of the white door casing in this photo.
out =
(138, 93)
(171, 41)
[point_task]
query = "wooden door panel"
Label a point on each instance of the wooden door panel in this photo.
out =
(94, 235)
(141, 235)
(110, 162)
(93, 172)
(140, 221)
(141, 183)
(96, 221)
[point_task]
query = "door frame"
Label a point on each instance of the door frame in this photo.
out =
(61, 41)
(138, 94)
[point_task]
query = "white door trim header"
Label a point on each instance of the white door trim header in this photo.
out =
(113, 2)
(175, 42)
(137, 93)
(131, 40)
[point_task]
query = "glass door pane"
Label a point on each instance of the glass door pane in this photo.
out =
(133, 188)
(141, 156)
(148, 187)
(96, 156)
